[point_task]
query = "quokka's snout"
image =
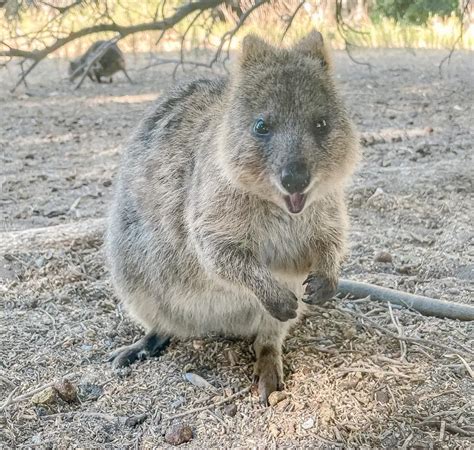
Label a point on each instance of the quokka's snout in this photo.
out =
(295, 178)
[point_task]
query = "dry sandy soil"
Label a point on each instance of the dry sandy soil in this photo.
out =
(349, 383)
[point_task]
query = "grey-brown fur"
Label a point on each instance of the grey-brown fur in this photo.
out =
(109, 63)
(200, 238)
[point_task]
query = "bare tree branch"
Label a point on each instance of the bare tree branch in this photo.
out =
(123, 31)
(342, 28)
(110, 26)
(183, 38)
(229, 35)
(447, 58)
(290, 20)
(63, 9)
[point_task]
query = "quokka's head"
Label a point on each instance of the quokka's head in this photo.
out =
(286, 136)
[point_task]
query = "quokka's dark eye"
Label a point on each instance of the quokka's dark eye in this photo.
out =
(260, 128)
(321, 124)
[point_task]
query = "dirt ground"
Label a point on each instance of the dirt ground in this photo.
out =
(348, 382)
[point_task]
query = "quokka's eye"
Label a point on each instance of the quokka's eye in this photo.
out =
(321, 124)
(260, 128)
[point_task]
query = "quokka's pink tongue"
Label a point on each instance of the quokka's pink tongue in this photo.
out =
(296, 202)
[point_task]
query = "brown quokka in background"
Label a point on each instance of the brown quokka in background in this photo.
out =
(112, 61)
(229, 213)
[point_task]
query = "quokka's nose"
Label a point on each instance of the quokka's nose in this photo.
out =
(295, 177)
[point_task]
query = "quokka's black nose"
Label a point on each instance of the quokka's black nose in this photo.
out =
(295, 177)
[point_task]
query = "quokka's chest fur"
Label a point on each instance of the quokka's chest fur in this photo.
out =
(285, 250)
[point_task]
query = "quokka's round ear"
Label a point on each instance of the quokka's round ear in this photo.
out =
(313, 46)
(254, 49)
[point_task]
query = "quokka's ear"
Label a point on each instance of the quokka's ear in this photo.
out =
(314, 47)
(254, 49)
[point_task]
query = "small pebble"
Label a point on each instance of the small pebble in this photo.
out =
(198, 344)
(276, 397)
(383, 257)
(66, 390)
(48, 396)
(230, 410)
(133, 421)
(453, 291)
(122, 372)
(40, 262)
(179, 434)
(89, 392)
(307, 424)
(283, 404)
(228, 391)
(273, 430)
(405, 270)
(382, 397)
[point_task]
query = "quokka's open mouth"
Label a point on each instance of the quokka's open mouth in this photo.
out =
(295, 202)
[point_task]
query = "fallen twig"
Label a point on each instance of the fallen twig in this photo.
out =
(411, 340)
(10, 400)
(449, 427)
(466, 365)
(374, 371)
(213, 405)
(71, 414)
(396, 322)
(54, 235)
(386, 135)
(425, 305)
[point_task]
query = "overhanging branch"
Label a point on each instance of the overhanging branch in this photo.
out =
(123, 31)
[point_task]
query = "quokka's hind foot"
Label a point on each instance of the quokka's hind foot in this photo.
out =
(150, 345)
(268, 372)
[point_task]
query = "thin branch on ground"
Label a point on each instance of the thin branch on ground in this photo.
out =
(425, 305)
(212, 405)
(12, 400)
(374, 371)
(467, 366)
(467, 431)
(396, 322)
(412, 340)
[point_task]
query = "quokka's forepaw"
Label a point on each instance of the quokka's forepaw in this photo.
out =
(283, 306)
(319, 290)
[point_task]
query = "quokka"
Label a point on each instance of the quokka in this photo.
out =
(109, 63)
(229, 214)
